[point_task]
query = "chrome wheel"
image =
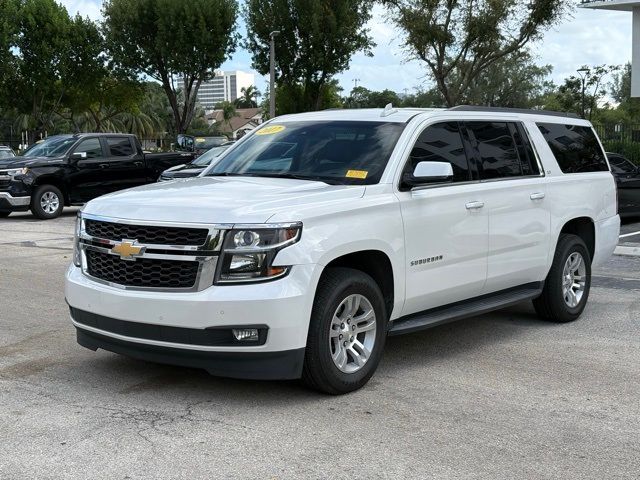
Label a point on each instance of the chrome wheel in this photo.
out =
(574, 280)
(49, 202)
(353, 333)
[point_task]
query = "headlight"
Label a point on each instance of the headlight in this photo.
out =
(248, 253)
(16, 171)
(77, 260)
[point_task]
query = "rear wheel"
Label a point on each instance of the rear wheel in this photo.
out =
(47, 202)
(347, 332)
(566, 289)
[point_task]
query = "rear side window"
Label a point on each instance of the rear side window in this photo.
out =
(497, 150)
(576, 148)
(119, 146)
(441, 142)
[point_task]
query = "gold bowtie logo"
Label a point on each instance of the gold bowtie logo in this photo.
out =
(128, 250)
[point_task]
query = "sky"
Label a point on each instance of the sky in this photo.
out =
(587, 37)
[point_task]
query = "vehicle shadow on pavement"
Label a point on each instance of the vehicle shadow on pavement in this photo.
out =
(134, 378)
(30, 218)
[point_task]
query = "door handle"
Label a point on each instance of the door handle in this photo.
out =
(104, 165)
(138, 164)
(474, 205)
(537, 196)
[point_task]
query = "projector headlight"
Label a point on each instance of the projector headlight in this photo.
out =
(248, 253)
(14, 172)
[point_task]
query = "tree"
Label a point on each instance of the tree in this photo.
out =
(178, 43)
(228, 113)
(463, 38)
(362, 97)
(8, 34)
(317, 40)
(249, 97)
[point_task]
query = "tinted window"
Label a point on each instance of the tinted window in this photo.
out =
(90, 146)
(621, 165)
(441, 143)
(576, 148)
(496, 148)
(119, 147)
(528, 159)
(346, 152)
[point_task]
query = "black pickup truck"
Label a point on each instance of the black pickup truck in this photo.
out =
(73, 169)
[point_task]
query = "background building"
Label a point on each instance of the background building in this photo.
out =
(629, 6)
(224, 87)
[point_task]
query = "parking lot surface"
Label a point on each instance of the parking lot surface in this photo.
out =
(503, 395)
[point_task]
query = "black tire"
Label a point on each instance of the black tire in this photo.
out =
(551, 305)
(4, 214)
(36, 207)
(320, 372)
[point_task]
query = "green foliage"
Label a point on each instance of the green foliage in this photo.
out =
(458, 40)
(628, 149)
(179, 43)
(249, 98)
(317, 40)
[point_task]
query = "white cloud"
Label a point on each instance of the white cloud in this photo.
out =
(86, 8)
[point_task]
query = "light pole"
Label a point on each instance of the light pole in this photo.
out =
(355, 82)
(584, 74)
(272, 74)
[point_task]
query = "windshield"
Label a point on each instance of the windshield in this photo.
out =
(346, 152)
(206, 158)
(6, 154)
(51, 147)
(205, 143)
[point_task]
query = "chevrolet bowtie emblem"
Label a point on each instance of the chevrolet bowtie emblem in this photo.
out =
(128, 250)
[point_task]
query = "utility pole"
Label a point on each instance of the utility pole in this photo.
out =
(272, 74)
(584, 74)
(355, 82)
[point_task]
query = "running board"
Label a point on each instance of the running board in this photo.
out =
(465, 309)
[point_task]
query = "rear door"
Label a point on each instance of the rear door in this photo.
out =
(445, 225)
(514, 189)
(126, 167)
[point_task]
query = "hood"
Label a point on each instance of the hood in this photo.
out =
(21, 162)
(219, 199)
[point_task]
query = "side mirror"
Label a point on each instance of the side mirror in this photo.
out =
(79, 155)
(427, 173)
(185, 143)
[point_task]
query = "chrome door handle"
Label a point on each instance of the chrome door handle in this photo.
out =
(474, 205)
(537, 196)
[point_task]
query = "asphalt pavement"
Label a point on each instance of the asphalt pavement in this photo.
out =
(500, 396)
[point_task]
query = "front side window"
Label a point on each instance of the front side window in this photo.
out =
(335, 152)
(90, 146)
(576, 148)
(496, 148)
(441, 142)
(119, 147)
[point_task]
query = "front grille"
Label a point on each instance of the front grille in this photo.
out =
(146, 234)
(143, 272)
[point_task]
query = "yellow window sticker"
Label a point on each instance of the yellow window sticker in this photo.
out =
(270, 130)
(361, 174)
(200, 140)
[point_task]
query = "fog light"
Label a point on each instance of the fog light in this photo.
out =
(245, 334)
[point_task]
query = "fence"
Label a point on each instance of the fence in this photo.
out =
(621, 138)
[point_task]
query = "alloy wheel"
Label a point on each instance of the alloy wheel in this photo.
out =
(49, 202)
(574, 279)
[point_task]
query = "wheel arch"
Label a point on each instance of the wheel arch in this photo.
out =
(377, 265)
(583, 227)
(57, 182)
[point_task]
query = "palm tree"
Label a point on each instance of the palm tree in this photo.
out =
(228, 112)
(249, 98)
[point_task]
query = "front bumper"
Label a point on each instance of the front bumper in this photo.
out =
(283, 307)
(284, 365)
(10, 203)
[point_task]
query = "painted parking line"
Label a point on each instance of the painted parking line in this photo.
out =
(627, 235)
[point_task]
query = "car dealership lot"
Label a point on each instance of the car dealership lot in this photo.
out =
(503, 395)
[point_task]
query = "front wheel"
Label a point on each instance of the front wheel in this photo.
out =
(47, 202)
(567, 286)
(347, 332)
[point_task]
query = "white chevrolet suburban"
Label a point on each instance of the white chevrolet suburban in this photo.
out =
(310, 240)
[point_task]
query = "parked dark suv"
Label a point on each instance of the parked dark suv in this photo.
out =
(68, 170)
(627, 177)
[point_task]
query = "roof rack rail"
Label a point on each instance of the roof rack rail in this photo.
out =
(477, 108)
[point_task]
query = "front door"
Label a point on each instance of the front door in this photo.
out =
(445, 225)
(87, 173)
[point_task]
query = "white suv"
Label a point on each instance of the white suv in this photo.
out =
(316, 236)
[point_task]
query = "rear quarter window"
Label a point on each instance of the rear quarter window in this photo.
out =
(576, 148)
